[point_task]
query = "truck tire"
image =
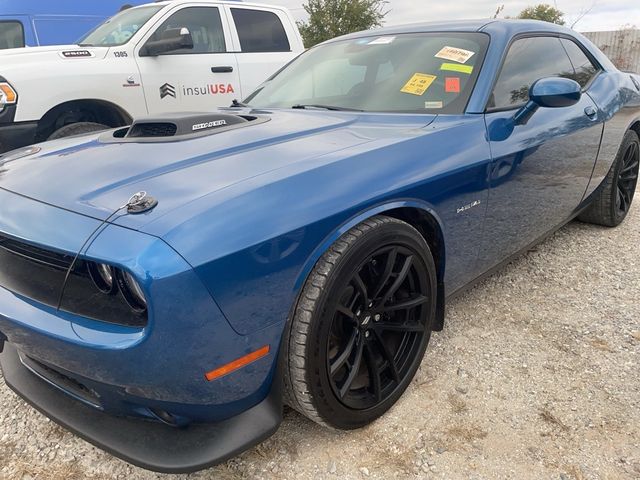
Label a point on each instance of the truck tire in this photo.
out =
(74, 129)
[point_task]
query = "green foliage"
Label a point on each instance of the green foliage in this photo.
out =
(331, 18)
(543, 12)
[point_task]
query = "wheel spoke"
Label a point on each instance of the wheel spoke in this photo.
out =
(374, 373)
(628, 167)
(340, 360)
(398, 281)
(361, 287)
(388, 356)
(388, 270)
(355, 368)
(346, 311)
(407, 304)
(399, 327)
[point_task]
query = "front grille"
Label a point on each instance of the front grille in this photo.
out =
(32, 271)
(153, 130)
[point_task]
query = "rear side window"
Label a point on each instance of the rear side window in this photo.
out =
(585, 70)
(260, 31)
(11, 35)
(203, 23)
(528, 60)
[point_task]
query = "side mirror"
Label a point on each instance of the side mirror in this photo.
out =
(551, 92)
(172, 39)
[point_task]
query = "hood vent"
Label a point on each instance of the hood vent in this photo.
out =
(165, 129)
(181, 126)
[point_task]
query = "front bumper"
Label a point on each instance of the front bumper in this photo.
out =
(17, 135)
(147, 444)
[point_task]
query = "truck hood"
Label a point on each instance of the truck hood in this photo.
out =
(94, 177)
(62, 53)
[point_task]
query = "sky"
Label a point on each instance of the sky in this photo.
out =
(603, 14)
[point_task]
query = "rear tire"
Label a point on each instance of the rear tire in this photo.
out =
(613, 201)
(361, 325)
(74, 129)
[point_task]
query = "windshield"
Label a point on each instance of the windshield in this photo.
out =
(423, 72)
(119, 28)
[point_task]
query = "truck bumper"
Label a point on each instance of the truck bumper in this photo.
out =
(17, 135)
(144, 443)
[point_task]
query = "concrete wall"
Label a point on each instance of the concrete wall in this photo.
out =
(621, 46)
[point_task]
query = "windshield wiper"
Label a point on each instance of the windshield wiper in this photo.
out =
(326, 107)
(236, 103)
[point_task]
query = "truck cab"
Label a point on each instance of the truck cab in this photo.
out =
(171, 56)
(31, 23)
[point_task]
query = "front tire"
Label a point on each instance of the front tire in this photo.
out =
(361, 325)
(612, 203)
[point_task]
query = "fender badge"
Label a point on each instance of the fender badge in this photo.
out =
(140, 202)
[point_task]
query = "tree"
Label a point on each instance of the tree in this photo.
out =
(331, 18)
(543, 12)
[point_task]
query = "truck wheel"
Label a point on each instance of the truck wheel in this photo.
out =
(613, 201)
(361, 325)
(77, 129)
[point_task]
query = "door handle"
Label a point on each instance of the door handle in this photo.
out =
(590, 111)
(225, 69)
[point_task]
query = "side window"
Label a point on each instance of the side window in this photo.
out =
(528, 60)
(11, 35)
(260, 31)
(585, 70)
(205, 26)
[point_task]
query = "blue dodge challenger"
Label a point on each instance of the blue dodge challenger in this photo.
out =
(166, 287)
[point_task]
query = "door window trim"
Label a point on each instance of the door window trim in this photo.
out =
(521, 36)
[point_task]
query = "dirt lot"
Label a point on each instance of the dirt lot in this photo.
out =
(536, 375)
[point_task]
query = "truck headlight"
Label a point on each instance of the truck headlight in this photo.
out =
(8, 95)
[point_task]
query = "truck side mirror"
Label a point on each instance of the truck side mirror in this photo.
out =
(172, 39)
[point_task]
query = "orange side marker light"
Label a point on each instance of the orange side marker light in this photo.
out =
(237, 364)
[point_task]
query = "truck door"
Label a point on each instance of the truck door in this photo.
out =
(198, 79)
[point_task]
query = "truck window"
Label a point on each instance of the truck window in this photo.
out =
(205, 26)
(260, 31)
(11, 35)
(120, 28)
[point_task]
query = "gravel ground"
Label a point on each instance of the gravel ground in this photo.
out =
(536, 376)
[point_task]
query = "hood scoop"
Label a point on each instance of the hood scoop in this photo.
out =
(176, 127)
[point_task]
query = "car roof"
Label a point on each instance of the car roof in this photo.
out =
(499, 27)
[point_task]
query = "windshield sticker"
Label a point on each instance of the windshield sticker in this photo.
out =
(418, 84)
(382, 41)
(439, 104)
(452, 84)
(455, 54)
(454, 67)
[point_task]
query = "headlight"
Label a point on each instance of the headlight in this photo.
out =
(8, 95)
(102, 276)
(131, 291)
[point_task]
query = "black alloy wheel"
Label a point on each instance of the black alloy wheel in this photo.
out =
(627, 178)
(361, 325)
(378, 326)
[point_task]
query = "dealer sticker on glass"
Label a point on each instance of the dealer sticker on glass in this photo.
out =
(455, 54)
(418, 84)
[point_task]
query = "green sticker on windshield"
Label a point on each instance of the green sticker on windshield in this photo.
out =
(454, 67)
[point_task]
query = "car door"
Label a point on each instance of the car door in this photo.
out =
(198, 79)
(540, 170)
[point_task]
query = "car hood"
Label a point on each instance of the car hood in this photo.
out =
(95, 177)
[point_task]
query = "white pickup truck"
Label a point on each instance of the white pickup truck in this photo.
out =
(171, 56)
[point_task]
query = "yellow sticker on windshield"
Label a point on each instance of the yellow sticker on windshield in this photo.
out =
(418, 84)
(454, 67)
